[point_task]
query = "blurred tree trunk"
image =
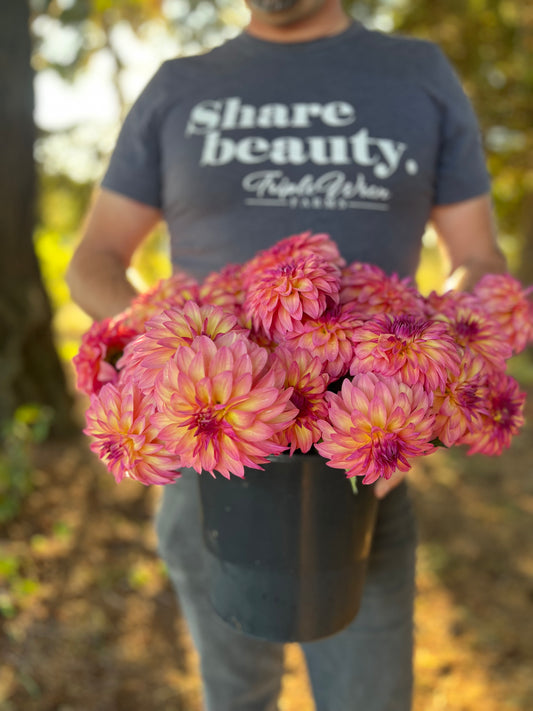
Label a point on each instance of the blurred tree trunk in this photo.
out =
(30, 370)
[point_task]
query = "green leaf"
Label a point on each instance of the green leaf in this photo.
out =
(437, 443)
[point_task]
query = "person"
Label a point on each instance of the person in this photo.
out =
(305, 121)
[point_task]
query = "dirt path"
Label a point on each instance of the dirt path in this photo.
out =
(90, 622)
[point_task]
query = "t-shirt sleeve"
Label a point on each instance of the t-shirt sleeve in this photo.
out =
(461, 168)
(134, 168)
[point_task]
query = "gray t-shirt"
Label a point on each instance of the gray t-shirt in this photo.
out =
(356, 135)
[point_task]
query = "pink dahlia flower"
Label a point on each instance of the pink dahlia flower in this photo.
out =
(168, 293)
(101, 347)
(330, 337)
(303, 373)
(503, 417)
(375, 423)
(289, 249)
(285, 293)
(414, 349)
(125, 439)
(220, 408)
(478, 334)
(224, 288)
(436, 305)
(371, 291)
(508, 304)
(145, 357)
(459, 407)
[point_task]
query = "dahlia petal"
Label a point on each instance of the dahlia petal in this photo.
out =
(222, 387)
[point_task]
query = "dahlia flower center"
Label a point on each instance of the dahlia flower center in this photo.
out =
(505, 412)
(117, 449)
(385, 446)
(466, 328)
(468, 396)
(406, 327)
(299, 400)
(114, 354)
(286, 269)
(205, 422)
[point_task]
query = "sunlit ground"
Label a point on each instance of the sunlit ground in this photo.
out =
(91, 624)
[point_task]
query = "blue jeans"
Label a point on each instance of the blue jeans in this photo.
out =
(366, 667)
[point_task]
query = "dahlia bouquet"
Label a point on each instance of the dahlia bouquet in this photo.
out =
(295, 350)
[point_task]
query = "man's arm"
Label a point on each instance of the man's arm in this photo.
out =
(114, 228)
(467, 232)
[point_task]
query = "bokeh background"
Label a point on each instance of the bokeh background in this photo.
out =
(88, 621)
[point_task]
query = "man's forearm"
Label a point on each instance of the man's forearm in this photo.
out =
(98, 284)
(114, 228)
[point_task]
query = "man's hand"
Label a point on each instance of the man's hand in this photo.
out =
(467, 232)
(383, 486)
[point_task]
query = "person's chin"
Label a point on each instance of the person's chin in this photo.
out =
(273, 6)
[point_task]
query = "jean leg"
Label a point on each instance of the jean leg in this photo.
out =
(368, 666)
(239, 673)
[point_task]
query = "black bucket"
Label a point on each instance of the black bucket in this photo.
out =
(287, 548)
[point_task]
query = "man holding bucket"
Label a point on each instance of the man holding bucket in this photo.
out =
(304, 121)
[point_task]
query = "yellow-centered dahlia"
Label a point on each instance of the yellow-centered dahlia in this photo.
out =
(220, 406)
(284, 294)
(125, 438)
(509, 305)
(294, 247)
(375, 424)
(460, 405)
(147, 355)
(415, 349)
(304, 374)
(224, 288)
(503, 417)
(330, 337)
(473, 329)
(370, 291)
(172, 292)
